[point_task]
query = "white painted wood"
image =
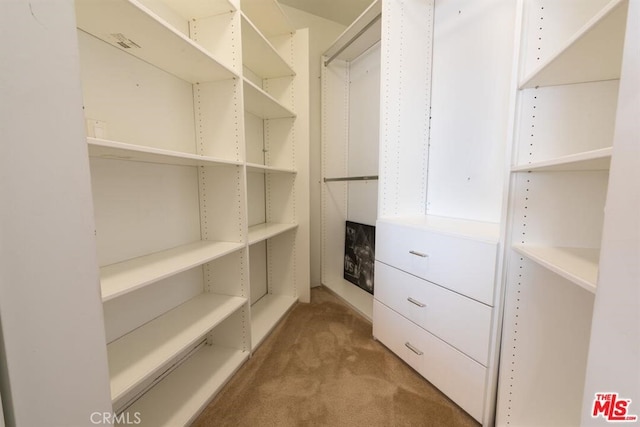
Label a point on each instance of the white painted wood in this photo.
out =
(263, 105)
(179, 398)
(470, 103)
(256, 198)
(462, 265)
(462, 322)
(578, 265)
(220, 35)
(159, 43)
(252, 167)
(259, 55)
(138, 355)
(259, 285)
(488, 232)
(260, 232)
(115, 150)
(254, 140)
(121, 278)
(599, 159)
(193, 8)
(268, 16)
(280, 137)
(265, 315)
(615, 332)
(456, 375)
(52, 328)
(593, 53)
(364, 32)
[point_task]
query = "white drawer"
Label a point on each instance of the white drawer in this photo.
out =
(455, 374)
(460, 321)
(461, 264)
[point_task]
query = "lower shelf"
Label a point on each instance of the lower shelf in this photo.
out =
(265, 315)
(182, 395)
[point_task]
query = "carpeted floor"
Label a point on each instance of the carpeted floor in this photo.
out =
(321, 367)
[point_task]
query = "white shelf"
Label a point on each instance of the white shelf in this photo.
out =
(589, 160)
(265, 315)
(361, 35)
(106, 149)
(476, 230)
(155, 41)
(263, 105)
(259, 55)
(260, 232)
(194, 9)
(268, 16)
(127, 276)
(137, 356)
(255, 167)
(594, 53)
(578, 265)
(180, 397)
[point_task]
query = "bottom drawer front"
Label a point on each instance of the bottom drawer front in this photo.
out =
(455, 374)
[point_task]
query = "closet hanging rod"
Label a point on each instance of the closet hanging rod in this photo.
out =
(352, 39)
(353, 178)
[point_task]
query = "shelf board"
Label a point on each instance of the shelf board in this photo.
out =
(259, 55)
(107, 149)
(268, 17)
(261, 104)
(594, 53)
(138, 355)
(361, 35)
(265, 315)
(127, 276)
(260, 232)
(180, 397)
(587, 161)
(255, 167)
(154, 40)
(195, 9)
(476, 230)
(578, 265)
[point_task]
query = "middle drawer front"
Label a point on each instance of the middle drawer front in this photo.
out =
(456, 375)
(460, 321)
(464, 265)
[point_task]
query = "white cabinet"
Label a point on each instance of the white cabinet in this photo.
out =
(571, 58)
(198, 138)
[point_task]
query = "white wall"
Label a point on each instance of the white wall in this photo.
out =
(322, 33)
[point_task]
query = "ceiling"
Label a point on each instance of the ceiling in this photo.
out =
(342, 11)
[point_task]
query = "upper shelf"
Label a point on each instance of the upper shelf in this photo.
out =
(578, 265)
(263, 105)
(259, 55)
(587, 161)
(107, 149)
(135, 29)
(258, 168)
(264, 231)
(363, 33)
(594, 53)
(268, 16)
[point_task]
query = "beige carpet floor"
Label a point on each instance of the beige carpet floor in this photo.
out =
(321, 367)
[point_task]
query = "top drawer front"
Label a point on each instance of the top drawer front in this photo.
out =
(461, 264)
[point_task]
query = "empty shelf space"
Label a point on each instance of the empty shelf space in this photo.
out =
(199, 9)
(590, 160)
(122, 151)
(594, 53)
(578, 265)
(265, 315)
(254, 167)
(259, 55)
(268, 17)
(263, 105)
(181, 396)
(260, 232)
(363, 33)
(138, 355)
(127, 276)
(130, 26)
(476, 230)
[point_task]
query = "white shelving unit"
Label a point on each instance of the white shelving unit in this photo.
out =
(564, 125)
(178, 96)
